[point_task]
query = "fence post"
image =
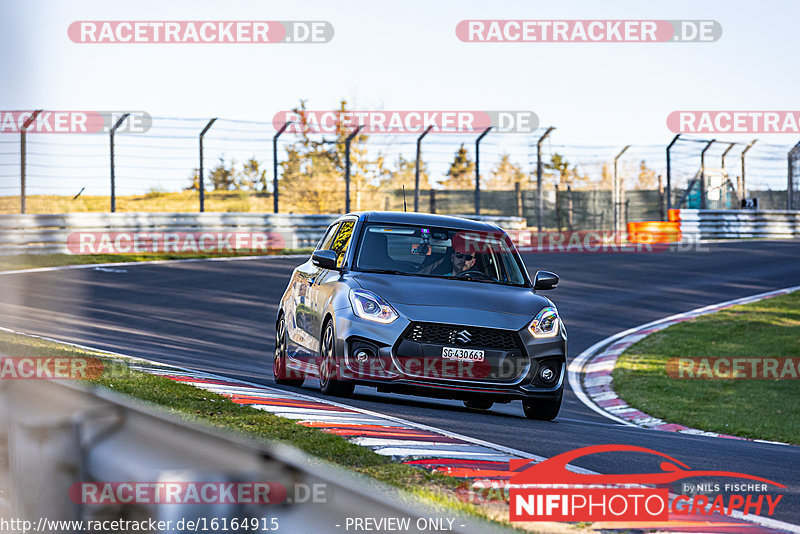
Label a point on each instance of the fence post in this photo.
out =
(725, 153)
(23, 147)
(539, 192)
(432, 201)
(113, 177)
(627, 207)
(669, 173)
(201, 184)
(558, 209)
(518, 191)
(569, 207)
(616, 197)
(275, 166)
(478, 170)
(347, 168)
(742, 183)
(660, 199)
(724, 192)
(790, 184)
(703, 200)
(416, 167)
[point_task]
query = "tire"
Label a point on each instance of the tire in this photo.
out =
(479, 404)
(282, 375)
(328, 366)
(541, 409)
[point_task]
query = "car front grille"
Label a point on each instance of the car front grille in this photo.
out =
(462, 336)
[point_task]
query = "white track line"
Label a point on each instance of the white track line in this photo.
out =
(578, 365)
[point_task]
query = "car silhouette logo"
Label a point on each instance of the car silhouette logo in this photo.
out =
(554, 470)
(462, 337)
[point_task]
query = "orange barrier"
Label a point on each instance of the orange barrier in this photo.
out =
(654, 231)
(673, 215)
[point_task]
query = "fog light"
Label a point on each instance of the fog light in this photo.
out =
(363, 354)
(547, 374)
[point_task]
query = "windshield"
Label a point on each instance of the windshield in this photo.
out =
(440, 252)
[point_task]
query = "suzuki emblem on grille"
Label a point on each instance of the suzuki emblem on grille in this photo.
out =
(462, 337)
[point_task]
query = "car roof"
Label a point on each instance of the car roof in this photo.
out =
(425, 219)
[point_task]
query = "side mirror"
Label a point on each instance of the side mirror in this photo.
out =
(545, 280)
(324, 258)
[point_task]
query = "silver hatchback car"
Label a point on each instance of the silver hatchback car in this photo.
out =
(422, 304)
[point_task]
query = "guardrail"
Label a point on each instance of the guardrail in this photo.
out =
(45, 234)
(60, 435)
(737, 224)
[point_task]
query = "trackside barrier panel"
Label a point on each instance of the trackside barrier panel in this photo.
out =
(737, 224)
(700, 225)
(46, 234)
(61, 434)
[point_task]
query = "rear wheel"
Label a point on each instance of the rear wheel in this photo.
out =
(479, 404)
(283, 375)
(328, 366)
(542, 409)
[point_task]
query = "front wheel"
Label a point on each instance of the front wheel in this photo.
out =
(542, 409)
(283, 375)
(328, 368)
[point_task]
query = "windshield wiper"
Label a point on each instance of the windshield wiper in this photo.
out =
(387, 271)
(482, 280)
(488, 280)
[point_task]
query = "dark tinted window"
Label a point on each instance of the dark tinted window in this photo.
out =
(427, 251)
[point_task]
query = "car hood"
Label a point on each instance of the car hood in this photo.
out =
(450, 293)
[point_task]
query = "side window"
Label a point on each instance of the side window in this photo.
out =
(342, 241)
(324, 243)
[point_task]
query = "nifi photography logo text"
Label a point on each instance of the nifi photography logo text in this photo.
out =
(548, 491)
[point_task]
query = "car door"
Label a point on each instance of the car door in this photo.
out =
(302, 329)
(327, 280)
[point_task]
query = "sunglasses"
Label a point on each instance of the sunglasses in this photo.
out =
(467, 257)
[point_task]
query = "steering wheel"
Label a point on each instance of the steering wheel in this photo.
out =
(475, 273)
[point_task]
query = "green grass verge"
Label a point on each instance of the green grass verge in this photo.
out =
(760, 409)
(31, 261)
(213, 410)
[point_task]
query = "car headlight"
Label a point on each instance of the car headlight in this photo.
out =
(370, 306)
(545, 324)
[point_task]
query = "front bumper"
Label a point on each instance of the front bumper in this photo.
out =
(377, 355)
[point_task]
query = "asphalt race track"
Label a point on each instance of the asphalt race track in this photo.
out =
(219, 316)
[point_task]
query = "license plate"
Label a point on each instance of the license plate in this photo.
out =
(466, 355)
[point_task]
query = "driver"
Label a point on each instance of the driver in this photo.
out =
(462, 261)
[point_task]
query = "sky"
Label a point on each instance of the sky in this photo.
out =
(401, 56)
